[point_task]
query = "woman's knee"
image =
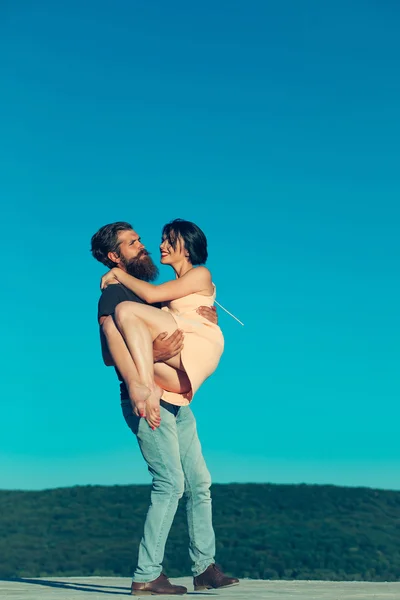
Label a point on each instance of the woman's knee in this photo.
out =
(124, 311)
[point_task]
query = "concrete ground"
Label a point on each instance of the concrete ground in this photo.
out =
(104, 588)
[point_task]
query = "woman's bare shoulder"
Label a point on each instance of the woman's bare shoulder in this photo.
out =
(201, 274)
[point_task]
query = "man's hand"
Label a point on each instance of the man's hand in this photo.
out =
(209, 313)
(166, 347)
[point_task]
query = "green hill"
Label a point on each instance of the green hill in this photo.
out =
(263, 531)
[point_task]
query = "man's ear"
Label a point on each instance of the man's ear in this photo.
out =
(114, 257)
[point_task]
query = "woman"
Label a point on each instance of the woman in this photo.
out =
(183, 247)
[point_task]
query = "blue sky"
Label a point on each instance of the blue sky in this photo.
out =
(272, 125)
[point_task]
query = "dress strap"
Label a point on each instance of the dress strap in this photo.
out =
(229, 313)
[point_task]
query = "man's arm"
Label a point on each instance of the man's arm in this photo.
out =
(107, 358)
(108, 300)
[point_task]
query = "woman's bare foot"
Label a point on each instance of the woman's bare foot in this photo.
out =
(138, 394)
(153, 407)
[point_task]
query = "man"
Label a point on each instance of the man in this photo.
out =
(172, 451)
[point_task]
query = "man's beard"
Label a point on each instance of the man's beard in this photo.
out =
(141, 267)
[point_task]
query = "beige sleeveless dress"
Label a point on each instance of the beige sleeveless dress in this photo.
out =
(203, 343)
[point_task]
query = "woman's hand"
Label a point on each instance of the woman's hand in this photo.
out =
(109, 278)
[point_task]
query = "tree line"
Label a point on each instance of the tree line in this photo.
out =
(263, 531)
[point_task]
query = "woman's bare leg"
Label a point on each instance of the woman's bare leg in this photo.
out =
(170, 379)
(124, 363)
(140, 325)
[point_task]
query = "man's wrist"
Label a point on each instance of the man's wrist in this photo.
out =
(161, 356)
(157, 355)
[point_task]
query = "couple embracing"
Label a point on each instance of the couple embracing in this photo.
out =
(164, 341)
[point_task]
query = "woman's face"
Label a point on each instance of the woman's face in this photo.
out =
(171, 255)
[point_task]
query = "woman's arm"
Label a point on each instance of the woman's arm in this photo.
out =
(195, 280)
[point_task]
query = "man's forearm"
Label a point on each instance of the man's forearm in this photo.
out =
(105, 352)
(108, 359)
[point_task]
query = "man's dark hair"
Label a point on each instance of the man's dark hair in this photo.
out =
(193, 237)
(106, 240)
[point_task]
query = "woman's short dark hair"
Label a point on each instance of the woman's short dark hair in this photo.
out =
(194, 239)
(106, 240)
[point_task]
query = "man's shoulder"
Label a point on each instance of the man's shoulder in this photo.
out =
(110, 297)
(113, 295)
(116, 289)
(114, 292)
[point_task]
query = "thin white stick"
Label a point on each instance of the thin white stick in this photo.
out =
(227, 311)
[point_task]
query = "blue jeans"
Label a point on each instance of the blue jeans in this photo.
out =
(175, 461)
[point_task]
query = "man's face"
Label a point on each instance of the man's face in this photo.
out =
(133, 256)
(130, 245)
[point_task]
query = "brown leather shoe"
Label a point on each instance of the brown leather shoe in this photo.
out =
(161, 585)
(213, 578)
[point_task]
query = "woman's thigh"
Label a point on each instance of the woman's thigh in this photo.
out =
(157, 320)
(171, 379)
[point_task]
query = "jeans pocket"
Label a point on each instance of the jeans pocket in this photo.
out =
(130, 418)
